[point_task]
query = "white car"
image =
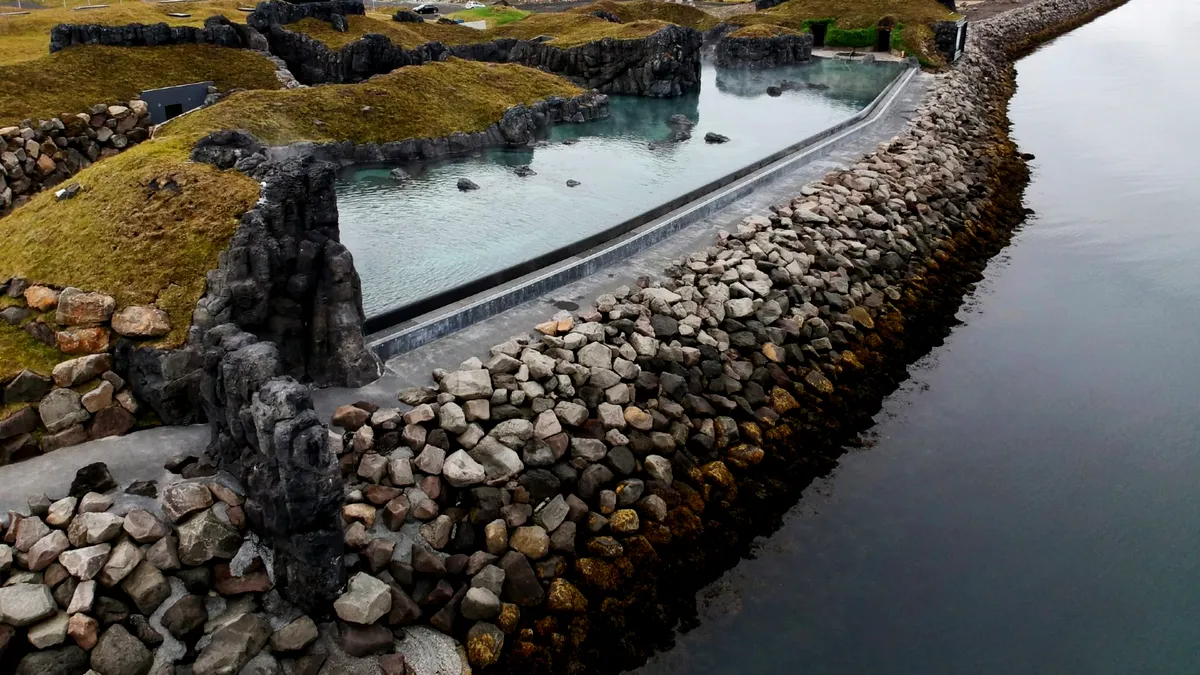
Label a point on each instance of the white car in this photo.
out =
(474, 5)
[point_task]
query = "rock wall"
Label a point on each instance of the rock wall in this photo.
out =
(666, 63)
(764, 52)
(39, 155)
(83, 398)
(217, 30)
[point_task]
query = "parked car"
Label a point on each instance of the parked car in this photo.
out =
(474, 5)
(426, 9)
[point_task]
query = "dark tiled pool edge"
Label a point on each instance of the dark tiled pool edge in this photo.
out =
(632, 236)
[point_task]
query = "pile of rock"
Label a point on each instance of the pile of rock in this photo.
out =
(125, 584)
(82, 398)
(35, 156)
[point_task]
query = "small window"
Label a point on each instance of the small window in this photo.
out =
(172, 110)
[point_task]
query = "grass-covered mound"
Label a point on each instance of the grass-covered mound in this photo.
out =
(25, 38)
(852, 22)
(407, 35)
(74, 79)
(494, 15)
(570, 30)
(435, 99)
(644, 10)
(567, 29)
(762, 30)
(145, 228)
(149, 223)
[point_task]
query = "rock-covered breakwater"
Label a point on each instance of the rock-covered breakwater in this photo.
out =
(763, 52)
(535, 514)
(666, 63)
(39, 155)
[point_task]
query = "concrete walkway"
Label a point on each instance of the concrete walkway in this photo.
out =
(137, 456)
(413, 368)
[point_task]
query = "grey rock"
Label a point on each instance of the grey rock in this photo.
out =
(25, 604)
(119, 653)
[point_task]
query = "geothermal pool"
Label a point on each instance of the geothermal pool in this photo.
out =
(415, 239)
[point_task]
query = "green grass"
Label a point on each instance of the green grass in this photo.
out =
(437, 99)
(122, 237)
(145, 246)
(568, 30)
(762, 31)
(27, 37)
(19, 351)
(852, 22)
(494, 16)
(72, 80)
(644, 10)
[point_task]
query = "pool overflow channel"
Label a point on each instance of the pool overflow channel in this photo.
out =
(547, 217)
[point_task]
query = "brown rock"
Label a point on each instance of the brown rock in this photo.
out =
(83, 630)
(365, 513)
(41, 298)
(80, 370)
(141, 322)
(79, 308)
(564, 597)
(64, 439)
(485, 642)
(350, 418)
(395, 513)
(251, 582)
(79, 340)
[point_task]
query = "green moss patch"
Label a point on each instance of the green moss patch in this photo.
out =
(644, 10)
(19, 351)
(493, 15)
(436, 99)
(27, 37)
(72, 80)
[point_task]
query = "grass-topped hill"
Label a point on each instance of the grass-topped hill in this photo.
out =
(27, 37)
(853, 22)
(644, 10)
(438, 99)
(149, 223)
(762, 30)
(74, 79)
(567, 29)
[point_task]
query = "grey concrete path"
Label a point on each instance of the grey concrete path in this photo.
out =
(413, 368)
(136, 456)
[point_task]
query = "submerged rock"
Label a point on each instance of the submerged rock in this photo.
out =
(465, 184)
(524, 171)
(712, 137)
(399, 175)
(573, 183)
